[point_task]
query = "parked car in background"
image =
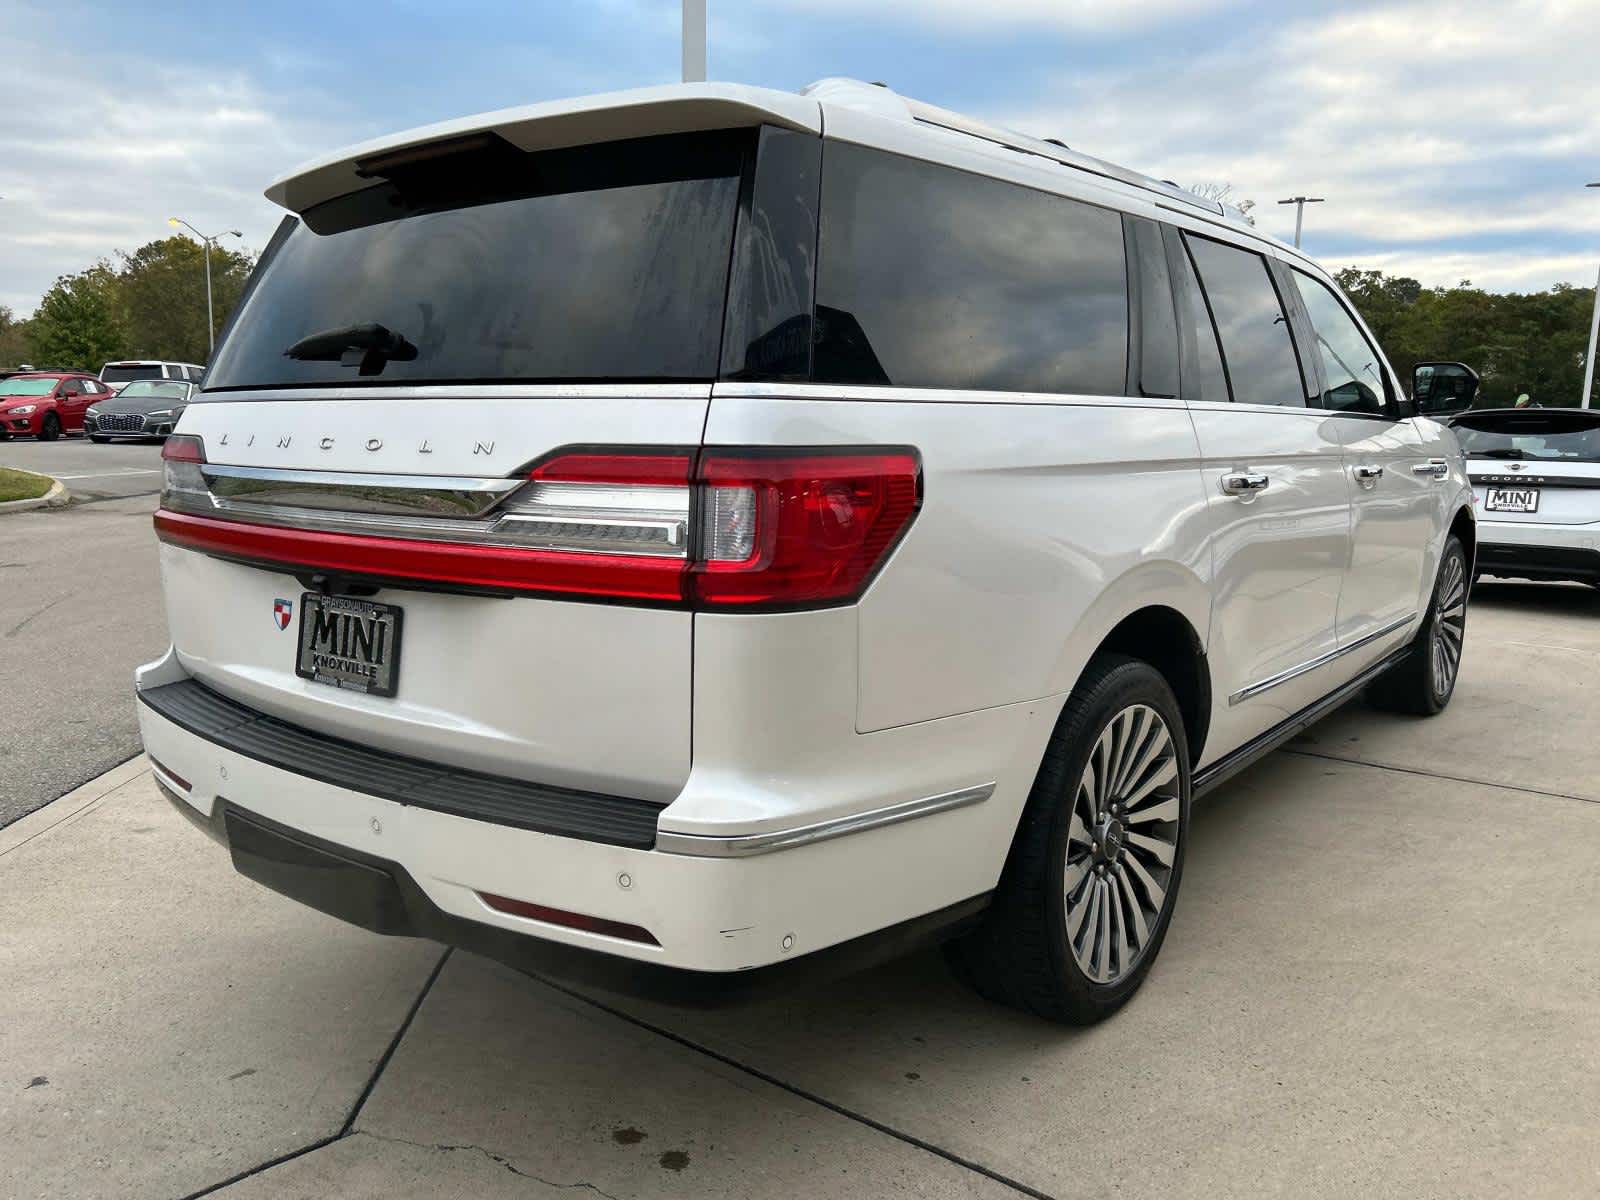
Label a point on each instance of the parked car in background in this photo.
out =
(1536, 478)
(127, 370)
(46, 404)
(868, 525)
(144, 408)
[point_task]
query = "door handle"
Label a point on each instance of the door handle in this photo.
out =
(1369, 472)
(1437, 467)
(1244, 483)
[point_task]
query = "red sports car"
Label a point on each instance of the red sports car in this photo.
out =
(46, 404)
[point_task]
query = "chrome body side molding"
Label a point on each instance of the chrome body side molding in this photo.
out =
(1272, 681)
(1209, 778)
(786, 839)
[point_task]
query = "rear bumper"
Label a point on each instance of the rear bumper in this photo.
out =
(1530, 550)
(382, 896)
(901, 881)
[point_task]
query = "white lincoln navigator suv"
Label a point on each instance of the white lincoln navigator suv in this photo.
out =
(701, 529)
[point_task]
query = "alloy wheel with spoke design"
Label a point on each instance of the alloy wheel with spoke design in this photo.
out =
(1122, 843)
(1449, 625)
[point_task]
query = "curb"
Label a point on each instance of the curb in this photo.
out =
(63, 808)
(56, 497)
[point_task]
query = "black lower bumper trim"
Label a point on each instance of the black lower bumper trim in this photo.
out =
(564, 812)
(382, 896)
(1538, 562)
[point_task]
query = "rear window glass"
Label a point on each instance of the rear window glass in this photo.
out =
(1251, 324)
(932, 277)
(122, 372)
(1535, 434)
(604, 262)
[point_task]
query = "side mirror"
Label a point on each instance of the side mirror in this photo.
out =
(1440, 388)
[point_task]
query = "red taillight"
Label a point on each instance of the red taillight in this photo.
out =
(670, 469)
(718, 529)
(458, 565)
(819, 524)
(183, 447)
(571, 920)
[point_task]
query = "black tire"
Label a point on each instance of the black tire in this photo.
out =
(49, 428)
(1421, 683)
(1022, 954)
(98, 440)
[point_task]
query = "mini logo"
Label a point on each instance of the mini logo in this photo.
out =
(1516, 466)
(282, 610)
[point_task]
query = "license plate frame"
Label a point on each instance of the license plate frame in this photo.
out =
(1509, 500)
(349, 643)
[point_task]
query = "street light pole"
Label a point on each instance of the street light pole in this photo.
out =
(1300, 203)
(207, 242)
(1594, 328)
(694, 41)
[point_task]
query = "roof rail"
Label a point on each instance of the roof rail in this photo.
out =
(884, 102)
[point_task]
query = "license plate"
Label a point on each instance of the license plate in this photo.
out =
(1519, 500)
(349, 643)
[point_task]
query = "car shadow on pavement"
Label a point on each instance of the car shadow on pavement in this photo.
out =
(1559, 599)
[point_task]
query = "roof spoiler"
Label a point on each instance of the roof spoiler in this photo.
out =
(613, 116)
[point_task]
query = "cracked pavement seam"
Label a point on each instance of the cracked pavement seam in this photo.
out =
(490, 1155)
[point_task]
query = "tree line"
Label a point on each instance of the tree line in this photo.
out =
(148, 304)
(1518, 342)
(152, 304)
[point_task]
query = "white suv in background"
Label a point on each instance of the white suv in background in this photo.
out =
(688, 531)
(120, 374)
(1536, 473)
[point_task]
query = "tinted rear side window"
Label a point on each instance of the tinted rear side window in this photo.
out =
(932, 277)
(1204, 377)
(605, 262)
(1154, 360)
(116, 374)
(1251, 324)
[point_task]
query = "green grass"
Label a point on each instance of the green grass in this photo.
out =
(22, 485)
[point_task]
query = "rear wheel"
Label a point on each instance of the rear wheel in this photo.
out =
(1423, 682)
(49, 428)
(1088, 890)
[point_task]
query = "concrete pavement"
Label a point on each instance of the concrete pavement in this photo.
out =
(1381, 981)
(91, 472)
(80, 607)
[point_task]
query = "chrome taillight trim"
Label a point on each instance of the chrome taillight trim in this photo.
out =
(644, 521)
(448, 497)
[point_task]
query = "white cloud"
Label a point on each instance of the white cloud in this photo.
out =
(1419, 122)
(87, 171)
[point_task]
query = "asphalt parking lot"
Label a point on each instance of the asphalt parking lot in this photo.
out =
(80, 607)
(1383, 980)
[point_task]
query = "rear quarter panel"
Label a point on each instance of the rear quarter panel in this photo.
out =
(1044, 522)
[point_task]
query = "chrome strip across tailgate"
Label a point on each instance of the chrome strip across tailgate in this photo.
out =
(449, 497)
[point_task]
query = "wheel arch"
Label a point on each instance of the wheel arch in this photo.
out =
(1164, 638)
(1465, 526)
(1159, 612)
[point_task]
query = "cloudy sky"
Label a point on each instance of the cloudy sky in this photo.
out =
(1452, 140)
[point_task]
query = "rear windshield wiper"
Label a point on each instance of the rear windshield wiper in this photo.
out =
(1499, 452)
(368, 347)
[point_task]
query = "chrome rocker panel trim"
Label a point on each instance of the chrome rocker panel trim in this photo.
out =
(1272, 681)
